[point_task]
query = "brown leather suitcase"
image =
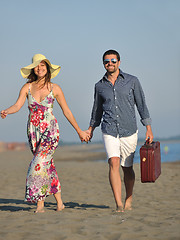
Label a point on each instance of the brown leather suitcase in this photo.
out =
(150, 160)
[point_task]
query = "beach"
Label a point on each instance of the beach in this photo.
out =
(89, 204)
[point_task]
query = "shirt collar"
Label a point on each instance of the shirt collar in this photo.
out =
(121, 75)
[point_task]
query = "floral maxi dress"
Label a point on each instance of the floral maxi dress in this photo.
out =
(43, 135)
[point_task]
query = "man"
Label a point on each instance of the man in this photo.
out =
(116, 95)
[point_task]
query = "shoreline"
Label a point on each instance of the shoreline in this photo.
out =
(78, 152)
(20, 146)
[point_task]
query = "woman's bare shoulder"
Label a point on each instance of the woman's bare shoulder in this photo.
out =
(25, 88)
(56, 89)
(55, 85)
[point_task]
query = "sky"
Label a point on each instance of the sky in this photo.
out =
(74, 35)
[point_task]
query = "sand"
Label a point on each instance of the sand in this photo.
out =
(90, 208)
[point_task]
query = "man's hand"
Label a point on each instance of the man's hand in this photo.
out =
(90, 132)
(149, 134)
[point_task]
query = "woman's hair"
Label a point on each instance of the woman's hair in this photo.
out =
(111, 51)
(33, 77)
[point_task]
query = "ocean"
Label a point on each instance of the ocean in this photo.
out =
(170, 152)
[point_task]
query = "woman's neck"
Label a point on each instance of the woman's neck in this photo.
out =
(40, 80)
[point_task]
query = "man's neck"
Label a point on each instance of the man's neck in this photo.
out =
(112, 77)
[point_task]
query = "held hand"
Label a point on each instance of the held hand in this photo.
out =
(3, 114)
(84, 136)
(90, 132)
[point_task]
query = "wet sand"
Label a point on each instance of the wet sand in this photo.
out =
(90, 208)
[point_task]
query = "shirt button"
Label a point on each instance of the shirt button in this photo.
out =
(116, 107)
(117, 115)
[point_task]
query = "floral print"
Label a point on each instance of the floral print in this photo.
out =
(43, 135)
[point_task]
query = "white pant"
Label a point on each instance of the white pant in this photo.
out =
(123, 148)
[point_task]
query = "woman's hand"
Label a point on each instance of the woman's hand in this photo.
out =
(84, 136)
(4, 113)
(19, 103)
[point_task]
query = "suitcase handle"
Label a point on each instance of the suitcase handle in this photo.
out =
(147, 143)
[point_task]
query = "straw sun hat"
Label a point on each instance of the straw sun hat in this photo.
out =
(37, 58)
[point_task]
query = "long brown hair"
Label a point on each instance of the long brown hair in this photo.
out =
(33, 77)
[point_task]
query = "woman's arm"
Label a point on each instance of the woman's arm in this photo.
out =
(58, 93)
(19, 103)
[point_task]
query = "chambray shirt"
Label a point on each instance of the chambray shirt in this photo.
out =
(114, 106)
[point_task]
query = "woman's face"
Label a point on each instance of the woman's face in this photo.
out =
(41, 70)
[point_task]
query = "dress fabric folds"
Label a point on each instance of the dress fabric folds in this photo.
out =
(43, 135)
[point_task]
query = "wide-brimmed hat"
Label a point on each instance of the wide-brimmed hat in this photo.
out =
(37, 58)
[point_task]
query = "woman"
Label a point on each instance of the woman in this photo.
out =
(43, 131)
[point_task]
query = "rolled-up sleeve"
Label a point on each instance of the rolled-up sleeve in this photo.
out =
(141, 104)
(97, 110)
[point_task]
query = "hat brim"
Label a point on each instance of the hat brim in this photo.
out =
(54, 69)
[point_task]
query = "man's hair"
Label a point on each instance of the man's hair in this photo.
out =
(111, 51)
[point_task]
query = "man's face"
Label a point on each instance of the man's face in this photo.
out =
(111, 63)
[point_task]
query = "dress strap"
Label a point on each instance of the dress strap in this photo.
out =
(29, 86)
(51, 86)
